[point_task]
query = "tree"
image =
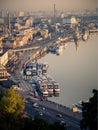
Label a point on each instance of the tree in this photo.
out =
(90, 112)
(11, 110)
(40, 124)
(12, 103)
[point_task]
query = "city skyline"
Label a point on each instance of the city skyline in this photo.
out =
(47, 5)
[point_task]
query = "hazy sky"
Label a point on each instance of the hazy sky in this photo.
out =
(47, 4)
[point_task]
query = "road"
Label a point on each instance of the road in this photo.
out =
(50, 112)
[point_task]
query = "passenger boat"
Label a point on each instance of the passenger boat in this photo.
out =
(50, 87)
(56, 87)
(45, 92)
(85, 37)
(59, 49)
(28, 71)
(43, 78)
(52, 49)
(43, 89)
(44, 69)
(39, 72)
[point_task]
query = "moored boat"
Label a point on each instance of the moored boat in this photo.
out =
(59, 49)
(50, 88)
(56, 87)
(44, 89)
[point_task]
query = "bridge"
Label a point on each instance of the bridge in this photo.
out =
(25, 49)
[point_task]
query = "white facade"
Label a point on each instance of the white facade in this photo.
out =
(4, 59)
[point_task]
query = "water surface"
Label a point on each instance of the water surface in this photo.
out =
(76, 71)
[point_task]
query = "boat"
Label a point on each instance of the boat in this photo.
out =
(43, 78)
(43, 89)
(44, 68)
(85, 37)
(50, 87)
(28, 71)
(85, 34)
(56, 87)
(59, 49)
(39, 72)
(45, 93)
(52, 49)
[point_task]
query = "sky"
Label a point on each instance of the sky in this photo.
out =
(36, 5)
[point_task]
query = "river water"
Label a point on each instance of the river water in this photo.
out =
(76, 71)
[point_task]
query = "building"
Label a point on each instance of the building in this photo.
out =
(21, 13)
(3, 57)
(1, 20)
(8, 43)
(3, 73)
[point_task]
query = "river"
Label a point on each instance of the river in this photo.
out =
(76, 71)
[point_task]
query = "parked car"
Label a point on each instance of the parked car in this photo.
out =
(59, 115)
(35, 105)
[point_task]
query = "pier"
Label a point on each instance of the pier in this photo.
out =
(93, 30)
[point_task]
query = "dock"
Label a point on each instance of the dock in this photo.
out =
(36, 73)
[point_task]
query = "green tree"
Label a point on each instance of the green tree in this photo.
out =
(11, 110)
(40, 124)
(12, 103)
(90, 112)
(58, 126)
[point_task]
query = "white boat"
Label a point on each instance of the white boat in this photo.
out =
(59, 49)
(50, 87)
(45, 92)
(39, 72)
(44, 89)
(85, 37)
(45, 64)
(44, 67)
(43, 78)
(28, 72)
(56, 87)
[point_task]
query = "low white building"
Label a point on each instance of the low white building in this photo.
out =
(3, 57)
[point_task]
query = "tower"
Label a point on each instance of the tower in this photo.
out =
(9, 19)
(54, 11)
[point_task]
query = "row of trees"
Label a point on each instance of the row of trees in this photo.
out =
(12, 116)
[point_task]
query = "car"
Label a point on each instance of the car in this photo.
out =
(35, 105)
(40, 113)
(59, 115)
(44, 108)
(64, 123)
